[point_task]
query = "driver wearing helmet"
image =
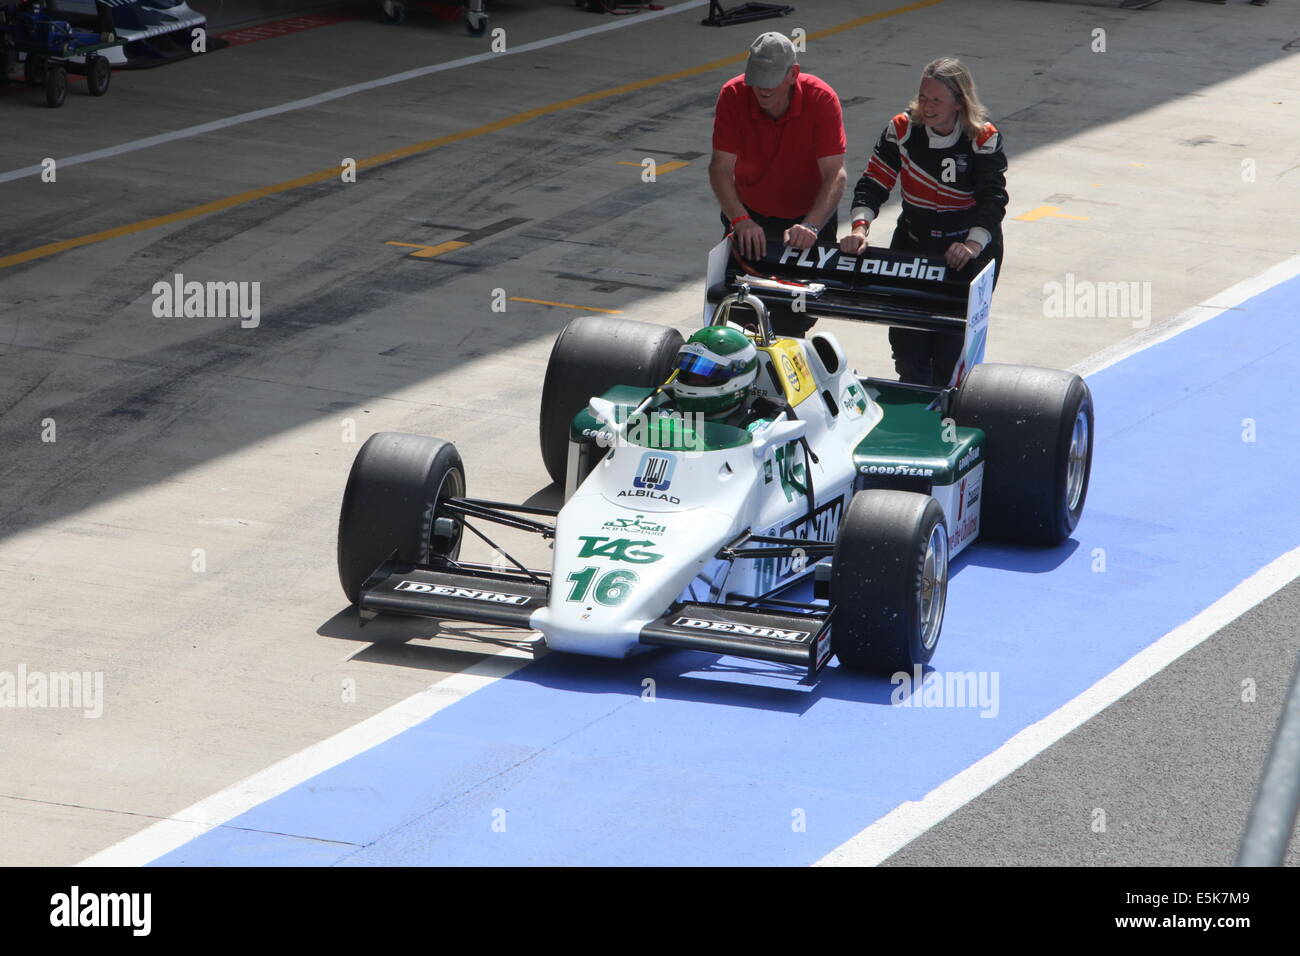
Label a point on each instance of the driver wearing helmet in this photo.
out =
(716, 370)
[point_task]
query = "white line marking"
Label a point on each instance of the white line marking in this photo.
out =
(175, 831)
(909, 820)
(878, 841)
(1227, 299)
(617, 23)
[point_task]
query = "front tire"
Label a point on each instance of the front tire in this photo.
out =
(889, 581)
(56, 85)
(591, 355)
(1038, 435)
(98, 75)
(391, 501)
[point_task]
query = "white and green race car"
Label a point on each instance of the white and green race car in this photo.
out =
(679, 531)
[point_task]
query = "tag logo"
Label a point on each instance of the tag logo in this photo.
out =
(619, 549)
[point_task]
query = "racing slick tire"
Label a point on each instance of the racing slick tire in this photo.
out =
(56, 85)
(98, 75)
(390, 502)
(1038, 431)
(889, 581)
(591, 355)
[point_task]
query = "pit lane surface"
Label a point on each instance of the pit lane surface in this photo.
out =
(175, 436)
(713, 773)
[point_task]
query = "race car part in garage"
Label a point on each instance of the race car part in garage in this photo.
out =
(152, 32)
(475, 11)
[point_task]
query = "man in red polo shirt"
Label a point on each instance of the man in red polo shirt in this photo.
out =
(778, 152)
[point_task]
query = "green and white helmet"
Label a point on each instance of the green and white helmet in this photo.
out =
(715, 369)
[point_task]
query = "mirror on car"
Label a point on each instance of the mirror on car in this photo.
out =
(779, 432)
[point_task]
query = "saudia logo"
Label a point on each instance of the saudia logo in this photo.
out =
(918, 268)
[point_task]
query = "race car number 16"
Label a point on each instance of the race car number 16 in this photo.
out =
(610, 590)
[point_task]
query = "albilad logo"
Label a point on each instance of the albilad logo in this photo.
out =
(655, 472)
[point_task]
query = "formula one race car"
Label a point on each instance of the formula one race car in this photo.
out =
(683, 531)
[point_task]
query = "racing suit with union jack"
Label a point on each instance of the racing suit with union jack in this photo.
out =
(952, 189)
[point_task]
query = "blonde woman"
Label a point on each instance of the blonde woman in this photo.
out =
(947, 159)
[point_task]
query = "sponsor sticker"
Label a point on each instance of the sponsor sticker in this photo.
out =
(636, 525)
(617, 549)
(655, 472)
(823, 649)
(748, 630)
(910, 471)
(854, 400)
(473, 594)
(919, 267)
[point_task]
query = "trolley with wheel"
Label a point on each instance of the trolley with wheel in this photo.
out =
(474, 11)
(50, 49)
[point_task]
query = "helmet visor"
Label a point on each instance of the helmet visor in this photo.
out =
(698, 371)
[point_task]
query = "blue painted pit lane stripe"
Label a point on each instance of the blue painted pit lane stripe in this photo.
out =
(563, 762)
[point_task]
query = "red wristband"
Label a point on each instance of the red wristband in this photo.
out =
(861, 222)
(739, 219)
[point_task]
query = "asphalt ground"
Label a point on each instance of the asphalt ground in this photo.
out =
(178, 535)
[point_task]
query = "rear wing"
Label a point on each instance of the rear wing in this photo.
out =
(902, 289)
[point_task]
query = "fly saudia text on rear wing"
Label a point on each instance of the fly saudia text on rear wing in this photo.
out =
(902, 289)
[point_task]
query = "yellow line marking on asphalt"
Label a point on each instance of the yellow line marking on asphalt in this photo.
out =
(218, 205)
(428, 252)
(566, 305)
(1043, 212)
(658, 167)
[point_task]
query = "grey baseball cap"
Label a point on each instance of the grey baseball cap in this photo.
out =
(770, 56)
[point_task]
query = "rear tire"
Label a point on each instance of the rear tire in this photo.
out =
(1038, 430)
(889, 581)
(591, 355)
(392, 496)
